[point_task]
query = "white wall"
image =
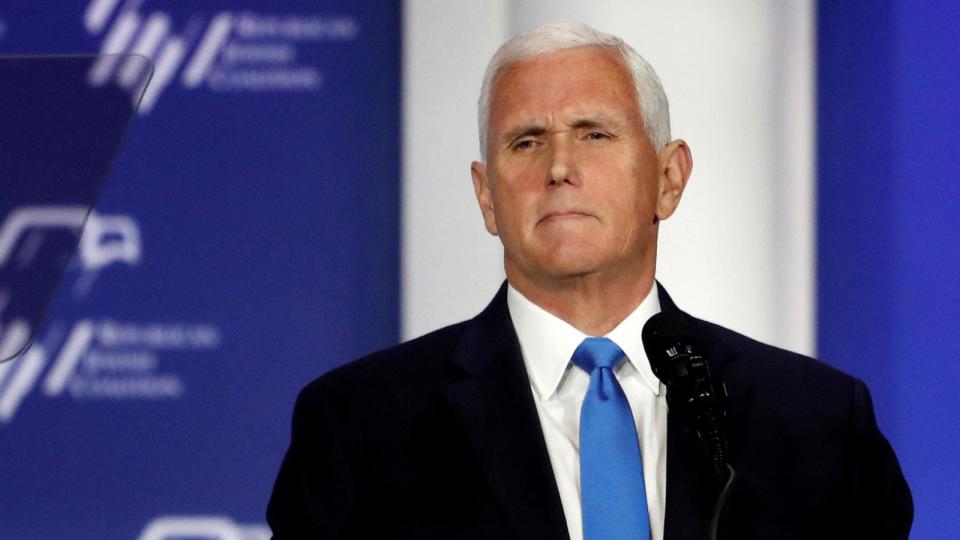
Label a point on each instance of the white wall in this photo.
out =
(451, 266)
(739, 76)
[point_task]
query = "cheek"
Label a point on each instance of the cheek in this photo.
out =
(629, 195)
(511, 211)
(523, 174)
(517, 193)
(614, 179)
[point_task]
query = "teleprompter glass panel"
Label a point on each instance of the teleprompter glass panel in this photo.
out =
(62, 120)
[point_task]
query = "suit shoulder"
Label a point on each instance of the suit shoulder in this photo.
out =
(420, 359)
(772, 365)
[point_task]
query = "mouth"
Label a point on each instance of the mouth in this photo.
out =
(564, 215)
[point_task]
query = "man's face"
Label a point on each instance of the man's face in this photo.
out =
(572, 182)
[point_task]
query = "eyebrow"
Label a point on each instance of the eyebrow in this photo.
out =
(588, 123)
(526, 130)
(536, 130)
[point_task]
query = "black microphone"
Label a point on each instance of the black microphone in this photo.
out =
(695, 397)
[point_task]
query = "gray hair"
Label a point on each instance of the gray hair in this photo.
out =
(551, 38)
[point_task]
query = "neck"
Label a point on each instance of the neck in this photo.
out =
(593, 303)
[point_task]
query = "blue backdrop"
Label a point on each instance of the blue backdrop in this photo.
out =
(257, 199)
(258, 196)
(889, 216)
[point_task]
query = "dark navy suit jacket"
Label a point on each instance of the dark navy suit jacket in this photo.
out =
(439, 438)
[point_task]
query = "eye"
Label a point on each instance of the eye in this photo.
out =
(597, 136)
(524, 144)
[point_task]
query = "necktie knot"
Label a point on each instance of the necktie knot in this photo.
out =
(597, 352)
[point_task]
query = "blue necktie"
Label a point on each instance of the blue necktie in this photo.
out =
(613, 498)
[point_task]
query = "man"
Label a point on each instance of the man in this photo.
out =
(541, 417)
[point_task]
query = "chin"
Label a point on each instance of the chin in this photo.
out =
(568, 265)
(560, 260)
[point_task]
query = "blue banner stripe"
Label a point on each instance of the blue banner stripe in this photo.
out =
(888, 217)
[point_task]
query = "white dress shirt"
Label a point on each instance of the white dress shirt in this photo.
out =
(547, 343)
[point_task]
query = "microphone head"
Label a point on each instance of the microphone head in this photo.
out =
(666, 335)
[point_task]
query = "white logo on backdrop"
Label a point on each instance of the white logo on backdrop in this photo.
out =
(227, 52)
(209, 527)
(107, 238)
(96, 359)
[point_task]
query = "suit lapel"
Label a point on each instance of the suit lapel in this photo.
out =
(495, 408)
(689, 487)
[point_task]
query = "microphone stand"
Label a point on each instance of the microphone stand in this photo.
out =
(702, 406)
(723, 473)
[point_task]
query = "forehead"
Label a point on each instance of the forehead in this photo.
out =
(563, 82)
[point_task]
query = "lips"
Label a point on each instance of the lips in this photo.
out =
(566, 214)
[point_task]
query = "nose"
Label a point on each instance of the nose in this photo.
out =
(563, 164)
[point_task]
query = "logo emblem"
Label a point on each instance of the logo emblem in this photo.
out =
(227, 52)
(97, 358)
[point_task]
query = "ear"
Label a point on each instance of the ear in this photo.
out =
(675, 164)
(481, 188)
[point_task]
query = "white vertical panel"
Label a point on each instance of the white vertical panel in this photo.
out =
(739, 76)
(795, 173)
(451, 266)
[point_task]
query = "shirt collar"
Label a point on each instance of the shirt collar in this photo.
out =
(548, 342)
